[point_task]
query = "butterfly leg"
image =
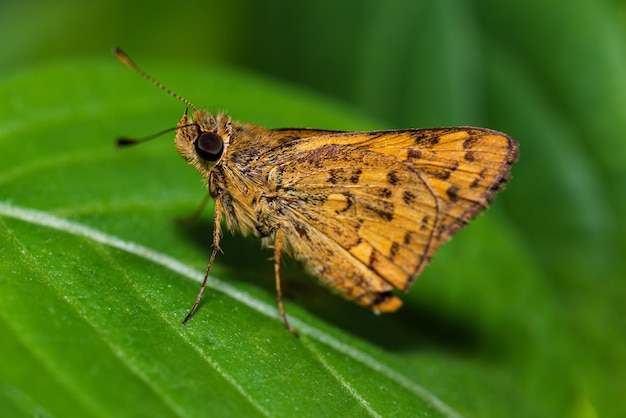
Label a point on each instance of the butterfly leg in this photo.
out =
(196, 213)
(278, 247)
(216, 247)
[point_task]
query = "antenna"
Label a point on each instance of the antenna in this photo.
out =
(129, 63)
(125, 142)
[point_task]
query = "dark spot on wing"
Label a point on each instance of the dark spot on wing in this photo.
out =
(383, 193)
(373, 259)
(439, 173)
(392, 178)
(343, 176)
(335, 175)
(452, 193)
(414, 154)
(408, 197)
(442, 173)
(470, 142)
(394, 249)
(383, 209)
(356, 175)
(425, 138)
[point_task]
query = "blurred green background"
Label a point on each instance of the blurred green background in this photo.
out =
(552, 74)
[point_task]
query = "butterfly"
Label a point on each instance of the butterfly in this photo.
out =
(362, 212)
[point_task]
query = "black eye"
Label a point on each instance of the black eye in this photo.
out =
(209, 146)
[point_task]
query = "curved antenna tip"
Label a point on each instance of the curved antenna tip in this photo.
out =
(125, 59)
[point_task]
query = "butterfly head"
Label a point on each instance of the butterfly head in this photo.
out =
(202, 139)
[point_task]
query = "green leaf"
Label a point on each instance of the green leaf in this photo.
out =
(96, 277)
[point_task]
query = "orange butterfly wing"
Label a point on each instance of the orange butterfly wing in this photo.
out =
(368, 210)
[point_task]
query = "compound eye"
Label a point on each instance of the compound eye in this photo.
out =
(209, 146)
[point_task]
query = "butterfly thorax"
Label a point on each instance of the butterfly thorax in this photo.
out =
(238, 178)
